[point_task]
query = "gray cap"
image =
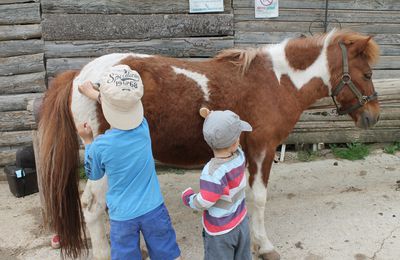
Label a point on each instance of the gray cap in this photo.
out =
(222, 128)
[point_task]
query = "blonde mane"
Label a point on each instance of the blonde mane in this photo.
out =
(244, 57)
(239, 57)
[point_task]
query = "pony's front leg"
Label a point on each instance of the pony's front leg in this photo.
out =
(94, 209)
(257, 197)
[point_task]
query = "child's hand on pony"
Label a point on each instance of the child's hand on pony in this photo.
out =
(89, 89)
(85, 132)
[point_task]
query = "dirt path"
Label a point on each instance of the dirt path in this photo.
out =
(315, 211)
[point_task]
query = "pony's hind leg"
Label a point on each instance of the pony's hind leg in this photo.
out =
(257, 197)
(94, 209)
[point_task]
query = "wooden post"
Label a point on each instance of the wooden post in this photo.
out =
(314, 147)
(283, 150)
(35, 107)
(36, 141)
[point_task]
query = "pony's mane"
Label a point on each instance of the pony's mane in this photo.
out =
(240, 57)
(244, 57)
(371, 52)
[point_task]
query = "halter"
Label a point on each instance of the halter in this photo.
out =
(346, 80)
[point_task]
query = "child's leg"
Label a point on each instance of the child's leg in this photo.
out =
(159, 234)
(243, 251)
(125, 240)
(234, 245)
(221, 247)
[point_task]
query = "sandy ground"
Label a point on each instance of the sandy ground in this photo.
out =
(315, 210)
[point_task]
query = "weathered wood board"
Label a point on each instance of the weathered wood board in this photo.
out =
(176, 47)
(348, 136)
(20, 13)
(121, 6)
(17, 48)
(17, 102)
(24, 83)
(17, 121)
(393, 5)
(7, 157)
(112, 27)
(310, 15)
(17, 1)
(15, 138)
(20, 32)
(21, 64)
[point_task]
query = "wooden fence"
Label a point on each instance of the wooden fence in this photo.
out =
(39, 38)
(378, 18)
(22, 73)
(75, 32)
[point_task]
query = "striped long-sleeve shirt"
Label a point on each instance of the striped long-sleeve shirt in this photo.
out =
(222, 194)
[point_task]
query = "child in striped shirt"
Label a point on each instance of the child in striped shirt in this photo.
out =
(222, 189)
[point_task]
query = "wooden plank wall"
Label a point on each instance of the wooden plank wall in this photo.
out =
(378, 18)
(320, 124)
(22, 74)
(39, 38)
(74, 32)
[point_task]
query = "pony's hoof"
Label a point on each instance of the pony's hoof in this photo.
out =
(273, 255)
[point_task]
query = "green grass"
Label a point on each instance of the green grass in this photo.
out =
(392, 148)
(161, 169)
(352, 151)
(306, 156)
(82, 174)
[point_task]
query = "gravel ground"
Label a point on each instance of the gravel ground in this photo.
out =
(316, 210)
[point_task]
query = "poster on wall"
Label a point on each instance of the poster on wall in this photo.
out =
(266, 8)
(206, 6)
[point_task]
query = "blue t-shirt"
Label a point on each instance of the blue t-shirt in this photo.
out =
(127, 159)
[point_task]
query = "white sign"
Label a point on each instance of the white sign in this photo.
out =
(266, 8)
(206, 6)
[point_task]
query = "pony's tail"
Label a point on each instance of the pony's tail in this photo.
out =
(59, 162)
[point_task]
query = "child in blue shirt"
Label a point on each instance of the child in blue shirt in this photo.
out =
(134, 200)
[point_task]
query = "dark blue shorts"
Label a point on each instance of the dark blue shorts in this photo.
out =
(157, 231)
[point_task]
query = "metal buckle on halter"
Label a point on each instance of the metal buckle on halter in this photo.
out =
(346, 78)
(364, 100)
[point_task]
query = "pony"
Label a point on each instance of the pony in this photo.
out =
(269, 87)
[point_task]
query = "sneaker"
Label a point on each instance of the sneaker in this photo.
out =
(55, 242)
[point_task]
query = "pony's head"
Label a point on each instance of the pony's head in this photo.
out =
(350, 56)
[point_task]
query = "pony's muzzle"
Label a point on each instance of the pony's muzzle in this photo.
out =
(367, 119)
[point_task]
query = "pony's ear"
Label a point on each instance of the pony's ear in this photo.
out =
(358, 46)
(204, 112)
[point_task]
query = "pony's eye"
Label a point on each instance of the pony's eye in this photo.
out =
(368, 76)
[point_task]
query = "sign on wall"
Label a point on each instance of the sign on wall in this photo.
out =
(206, 6)
(266, 8)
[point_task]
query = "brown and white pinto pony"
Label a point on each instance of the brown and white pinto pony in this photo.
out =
(269, 87)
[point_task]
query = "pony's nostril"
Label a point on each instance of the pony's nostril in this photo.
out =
(367, 120)
(377, 119)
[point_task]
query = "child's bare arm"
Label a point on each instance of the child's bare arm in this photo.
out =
(85, 132)
(87, 89)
